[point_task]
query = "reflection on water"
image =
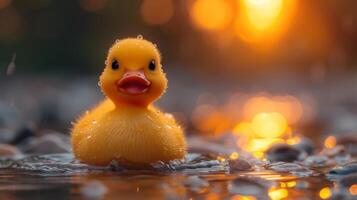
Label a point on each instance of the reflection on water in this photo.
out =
(58, 176)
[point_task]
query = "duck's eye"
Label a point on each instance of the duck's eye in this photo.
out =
(152, 65)
(115, 64)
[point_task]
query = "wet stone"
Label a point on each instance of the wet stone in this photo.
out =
(349, 141)
(93, 190)
(250, 186)
(236, 165)
(292, 168)
(49, 143)
(306, 145)
(349, 180)
(335, 151)
(338, 154)
(285, 153)
(317, 161)
(346, 169)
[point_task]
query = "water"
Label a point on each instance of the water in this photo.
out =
(59, 176)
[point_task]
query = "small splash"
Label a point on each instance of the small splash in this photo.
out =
(140, 37)
(11, 67)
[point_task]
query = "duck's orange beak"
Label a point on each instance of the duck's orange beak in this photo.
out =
(133, 83)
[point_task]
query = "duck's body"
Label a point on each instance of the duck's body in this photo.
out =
(129, 134)
(134, 132)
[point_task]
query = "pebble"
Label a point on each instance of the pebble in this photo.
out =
(346, 169)
(349, 141)
(335, 151)
(48, 143)
(250, 186)
(285, 153)
(338, 154)
(236, 165)
(8, 150)
(306, 145)
(292, 168)
(317, 161)
(93, 190)
(349, 180)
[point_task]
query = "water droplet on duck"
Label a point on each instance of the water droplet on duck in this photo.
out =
(117, 40)
(106, 62)
(140, 37)
(89, 137)
(94, 122)
(99, 84)
(168, 126)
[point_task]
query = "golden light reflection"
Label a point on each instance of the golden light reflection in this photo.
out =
(291, 184)
(330, 142)
(211, 14)
(325, 193)
(277, 193)
(293, 140)
(234, 156)
(263, 19)
(221, 159)
(265, 120)
(353, 189)
(157, 12)
(263, 131)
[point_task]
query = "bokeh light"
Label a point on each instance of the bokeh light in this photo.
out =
(289, 106)
(269, 125)
(330, 142)
(263, 20)
(353, 189)
(211, 14)
(325, 193)
(157, 12)
(277, 193)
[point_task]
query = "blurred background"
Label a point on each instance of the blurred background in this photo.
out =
(267, 68)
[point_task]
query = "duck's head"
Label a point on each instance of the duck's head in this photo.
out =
(133, 73)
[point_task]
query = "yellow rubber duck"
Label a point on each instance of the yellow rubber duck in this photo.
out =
(126, 127)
